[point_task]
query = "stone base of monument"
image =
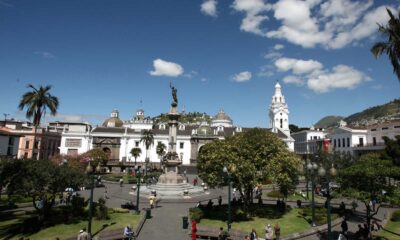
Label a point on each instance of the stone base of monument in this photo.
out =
(173, 186)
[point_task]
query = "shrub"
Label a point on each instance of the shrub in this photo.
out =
(396, 216)
(101, 211)
(196, 214)
(275, 194)
(119, 210)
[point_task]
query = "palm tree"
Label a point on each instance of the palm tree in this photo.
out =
(392, 46)
(148, 140)
(160, 150)
(36, 102)
(136, 153)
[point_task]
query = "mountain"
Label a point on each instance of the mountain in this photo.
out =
(376, 114)
(372, 115)
(328, 121)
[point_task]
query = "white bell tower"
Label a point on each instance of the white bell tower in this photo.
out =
(279, 112)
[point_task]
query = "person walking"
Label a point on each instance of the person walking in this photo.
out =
(344, 227)
(269, 232)
(83, 235)
(277, 230)
(194, 229)
(253, 234)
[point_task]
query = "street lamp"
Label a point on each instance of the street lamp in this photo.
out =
(332, 173)
(138, 175)
(312, 167)
(225, 170)
(91, 172)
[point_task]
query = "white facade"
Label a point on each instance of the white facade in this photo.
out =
(9, 144)
(306, 141)
(345, 139)
(378, 131)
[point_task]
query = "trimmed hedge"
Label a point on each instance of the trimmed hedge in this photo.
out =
(396, 216)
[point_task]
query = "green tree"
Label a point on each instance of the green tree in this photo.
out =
(135, 152)
(391, 47)
(251, 157)
(97, 156)
(161, 150)
(36, 102)
(148, 140)
(366, 178)
(393, 149)
(43, 181)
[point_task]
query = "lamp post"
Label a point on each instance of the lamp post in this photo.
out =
(332, 173)
(307, 180)
(312, 167)
(91, 172)
(138, 175)
(225, 170)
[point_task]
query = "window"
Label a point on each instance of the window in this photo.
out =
(361, 141)
(348, 142)
(281, 123)
(136, 143)
(72, 152)
(338, 142)
(385, 128)
(343, 142)
(27, 145)
(373, 130)
(36, 145)
(181, 145)
(73, 142)
(334, 142)
(374, 141)
(315, 137)
(10, 141)
(26, 155)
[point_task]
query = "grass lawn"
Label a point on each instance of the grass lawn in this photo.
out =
(290, 222)
(391, 231)
(293, 197)
(64, 231)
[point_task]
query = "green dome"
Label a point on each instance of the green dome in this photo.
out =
(204, 130)
(113, 122)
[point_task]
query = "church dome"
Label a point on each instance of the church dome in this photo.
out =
(114, 120)
(204, 129)
(221, 119)
(221, 115)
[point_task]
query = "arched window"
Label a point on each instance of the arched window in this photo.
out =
(281, 123)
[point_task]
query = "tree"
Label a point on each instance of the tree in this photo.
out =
(393, 149)
(43, 181)
(136, 153)
(160, 150)
(366, 178)
(391, 47)
(148, 140)
(36, 102)
(251, 157)
(97, 156)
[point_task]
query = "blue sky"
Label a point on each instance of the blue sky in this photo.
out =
(99, 55)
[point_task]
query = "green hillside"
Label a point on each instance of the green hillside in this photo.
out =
(190, 117)
(368, 116)
(380, 112)
(328, 121)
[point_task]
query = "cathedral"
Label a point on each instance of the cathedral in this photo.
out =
(117, 137)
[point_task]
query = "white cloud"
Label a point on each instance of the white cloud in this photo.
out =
(341, 76)
(242, 77)
(191, 74)
(297, 66)
(318, 78)
(46, 55)
(278, 47)
(164, 68)
(254, 14)
(293, 80)
(331, 24)
(209, 7)
(266, 71)
(273, 55)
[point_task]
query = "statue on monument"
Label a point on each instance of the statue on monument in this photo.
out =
(174, 90)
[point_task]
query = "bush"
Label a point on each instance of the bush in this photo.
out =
(396, 216)
(77, 206)
(101, 211)
(275, 194)
(119, 210)
(196, 214)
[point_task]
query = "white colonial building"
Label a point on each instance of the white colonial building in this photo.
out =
(117, 137)
(308, 141)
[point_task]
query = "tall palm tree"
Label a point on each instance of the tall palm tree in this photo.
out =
(148, 140)
(136, 153)
(391, 47)
(37, 101)
(160, 150)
